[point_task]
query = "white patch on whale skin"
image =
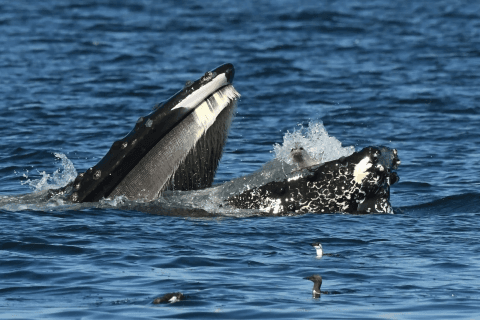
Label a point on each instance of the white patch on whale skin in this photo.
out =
(361, 168)
(278, 206)
(202, 93)
(272, 206)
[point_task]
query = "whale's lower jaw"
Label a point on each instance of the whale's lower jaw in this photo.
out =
(359, 183)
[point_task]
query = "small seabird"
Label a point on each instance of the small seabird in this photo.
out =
(319, 249)
(317, 283)
(170, 298)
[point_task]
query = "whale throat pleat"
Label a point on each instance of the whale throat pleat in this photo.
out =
(187, 157)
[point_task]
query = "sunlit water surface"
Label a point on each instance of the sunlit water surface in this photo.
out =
(76, 77)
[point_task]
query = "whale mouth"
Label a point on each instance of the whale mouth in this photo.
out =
(177, 146)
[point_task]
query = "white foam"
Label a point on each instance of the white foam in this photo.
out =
(58, 179)
(315, 140)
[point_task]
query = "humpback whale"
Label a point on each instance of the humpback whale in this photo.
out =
(359, 183)
(177, 146)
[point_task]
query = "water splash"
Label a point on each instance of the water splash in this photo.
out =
(117, 201)
(58, 179)
(315, 140)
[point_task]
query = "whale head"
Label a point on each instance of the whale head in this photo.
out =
(177, 146)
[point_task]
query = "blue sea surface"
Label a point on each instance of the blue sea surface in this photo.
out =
(76, 75)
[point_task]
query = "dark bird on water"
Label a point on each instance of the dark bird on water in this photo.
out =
(170, 298)
(317, 283)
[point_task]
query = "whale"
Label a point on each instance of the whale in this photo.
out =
(176, 147)
(358, 183)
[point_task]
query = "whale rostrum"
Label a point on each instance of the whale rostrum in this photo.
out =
(177, 146)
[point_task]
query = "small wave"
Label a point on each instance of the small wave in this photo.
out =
(462, 203)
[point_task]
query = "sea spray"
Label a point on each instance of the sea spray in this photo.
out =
(60, 178)
(315, 140)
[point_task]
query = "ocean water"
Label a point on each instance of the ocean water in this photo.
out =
(76, 75)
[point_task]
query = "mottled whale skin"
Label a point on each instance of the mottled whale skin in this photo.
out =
(359, 183)
(177, 146)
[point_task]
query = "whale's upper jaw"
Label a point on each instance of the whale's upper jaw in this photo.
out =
(214, 87)
(194, 92)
